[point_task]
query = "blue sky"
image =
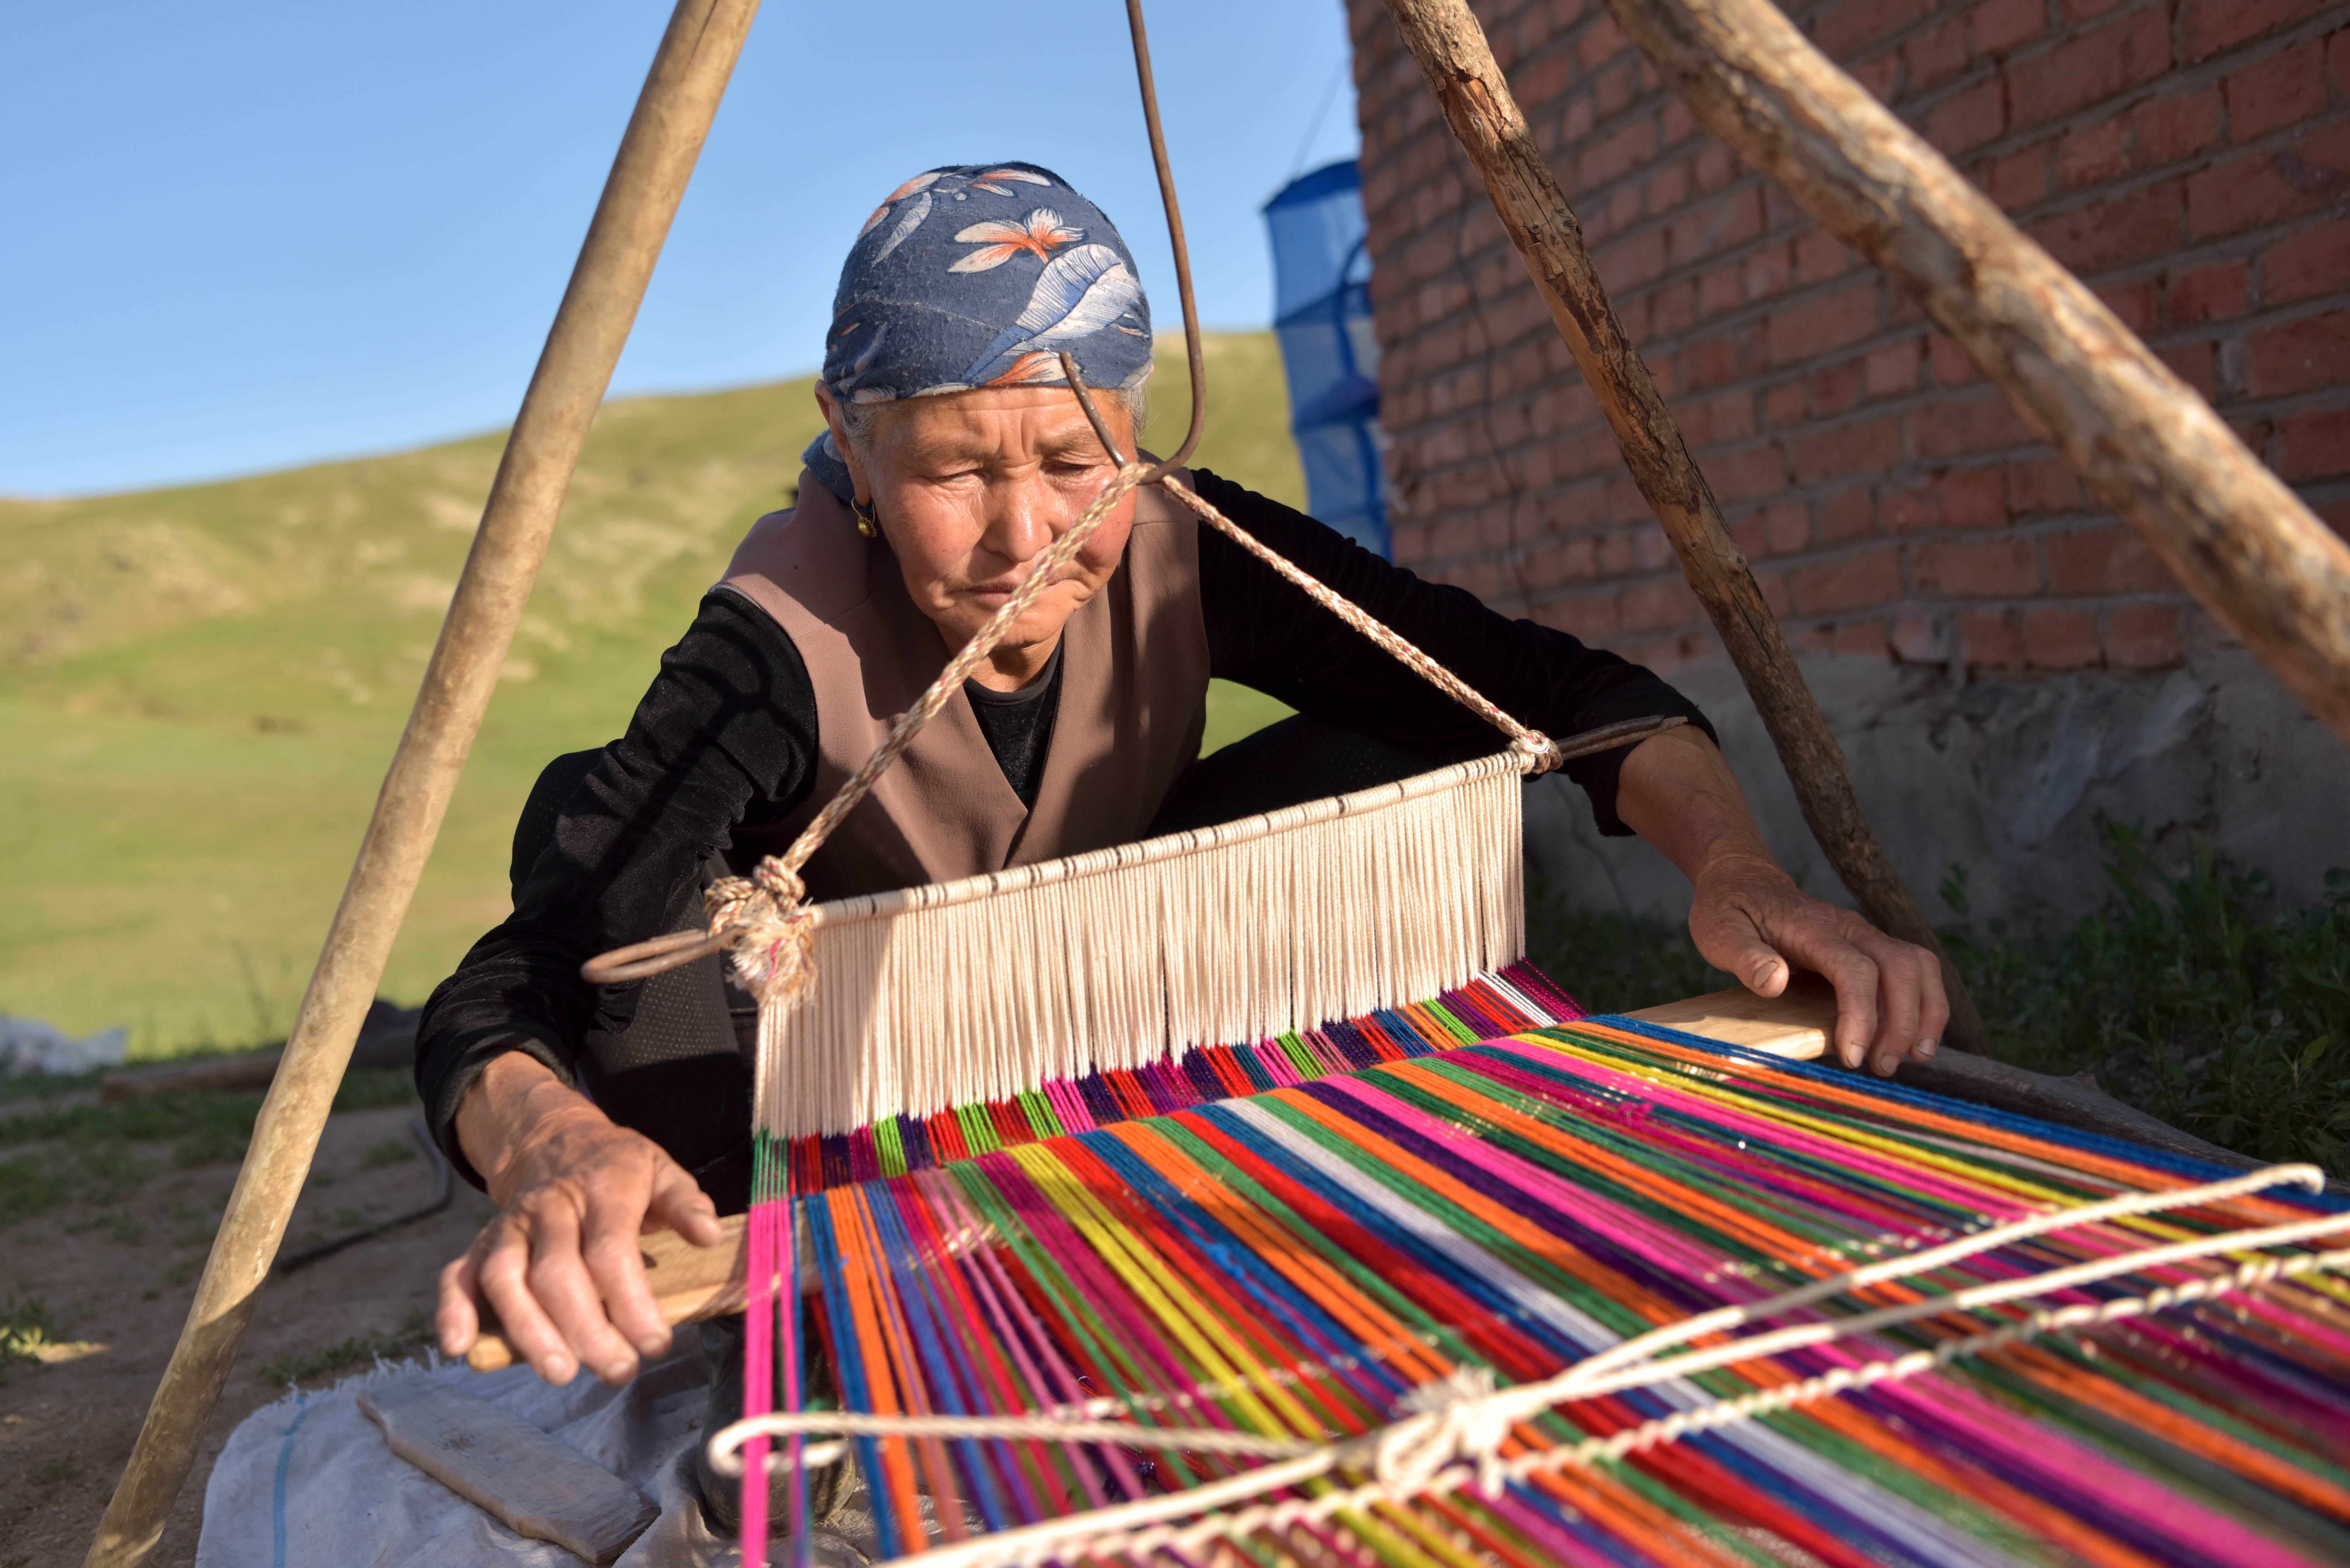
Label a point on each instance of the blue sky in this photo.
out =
(243, 236)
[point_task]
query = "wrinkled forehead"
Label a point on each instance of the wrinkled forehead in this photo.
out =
(1007, 424)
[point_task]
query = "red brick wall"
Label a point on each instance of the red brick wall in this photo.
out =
(2188, 158)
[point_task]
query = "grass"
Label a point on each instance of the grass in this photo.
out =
(361, 1350)
(25, 1325)
(1613, 962)
(95, 1153)
(2189, 995)
(27, 1189)
(201, 688)
(45, 1086)
(98, 1173)
(389, 1151)
(203, 1129)
(118, 1224)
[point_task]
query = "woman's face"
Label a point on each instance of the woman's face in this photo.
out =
(970, 487)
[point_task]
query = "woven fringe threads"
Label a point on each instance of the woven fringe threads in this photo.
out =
(971, 990)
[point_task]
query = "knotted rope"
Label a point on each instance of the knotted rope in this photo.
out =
(765, 916)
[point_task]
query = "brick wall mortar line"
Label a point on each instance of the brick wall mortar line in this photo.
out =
(2178, 82)
(2244, 246)
(1499, 372)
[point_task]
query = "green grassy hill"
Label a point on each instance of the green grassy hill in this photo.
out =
(200, 687)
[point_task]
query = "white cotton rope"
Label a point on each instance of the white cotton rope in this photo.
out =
(1452, 1432)
(2122, 1205)
(979, 988)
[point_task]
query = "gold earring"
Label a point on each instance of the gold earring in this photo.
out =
(867, 524)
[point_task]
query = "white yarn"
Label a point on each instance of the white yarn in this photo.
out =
(975, 990)
(2122, 1205)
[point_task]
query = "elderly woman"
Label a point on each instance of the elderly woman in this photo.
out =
(953, 456)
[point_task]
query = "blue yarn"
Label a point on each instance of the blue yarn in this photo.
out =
(928, 1324)
(848, 1365)
(1967, 1110)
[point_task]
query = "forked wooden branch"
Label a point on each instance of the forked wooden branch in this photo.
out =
(2146, 445)
(1452, 52)
(657, 155)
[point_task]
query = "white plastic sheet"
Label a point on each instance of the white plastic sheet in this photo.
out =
(29, 1046)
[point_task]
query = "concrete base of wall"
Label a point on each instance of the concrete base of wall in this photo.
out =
(2009, 776)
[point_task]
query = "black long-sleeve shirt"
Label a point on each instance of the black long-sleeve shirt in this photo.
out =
(726, 738)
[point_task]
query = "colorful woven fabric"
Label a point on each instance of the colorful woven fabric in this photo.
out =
(1300, 1260)
(1487, 1007)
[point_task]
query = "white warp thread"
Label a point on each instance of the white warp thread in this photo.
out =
(977, 989)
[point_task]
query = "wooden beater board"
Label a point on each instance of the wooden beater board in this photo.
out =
(1794, 1025)
(536, 1484)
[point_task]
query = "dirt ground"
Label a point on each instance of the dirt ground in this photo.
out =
(117, 1276)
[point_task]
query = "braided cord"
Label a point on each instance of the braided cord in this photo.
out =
(1539, 752)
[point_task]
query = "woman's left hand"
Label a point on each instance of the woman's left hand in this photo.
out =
(1748, 915)
(1749, 918)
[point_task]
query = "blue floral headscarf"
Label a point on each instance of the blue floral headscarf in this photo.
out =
(981, 275)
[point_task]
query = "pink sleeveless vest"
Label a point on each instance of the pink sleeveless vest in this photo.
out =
(1134, 682)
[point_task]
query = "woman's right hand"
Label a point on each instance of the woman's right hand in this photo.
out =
(559, 1264)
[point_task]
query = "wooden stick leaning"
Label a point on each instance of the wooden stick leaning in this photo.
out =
(656, 157)
(1453, 55)
(2145, 443)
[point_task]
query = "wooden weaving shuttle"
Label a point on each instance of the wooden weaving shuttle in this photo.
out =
(531, 1481)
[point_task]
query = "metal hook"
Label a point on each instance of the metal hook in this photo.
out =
(1094, 416)
(1182, 261)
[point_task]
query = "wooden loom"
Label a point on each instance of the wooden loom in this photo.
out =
(1016, 1107)
(2144, 443)
(1005, 1100)
(691, 1284)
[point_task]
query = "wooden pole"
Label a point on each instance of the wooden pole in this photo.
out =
(1454, 55)
(656, 157)
(2146, 445)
